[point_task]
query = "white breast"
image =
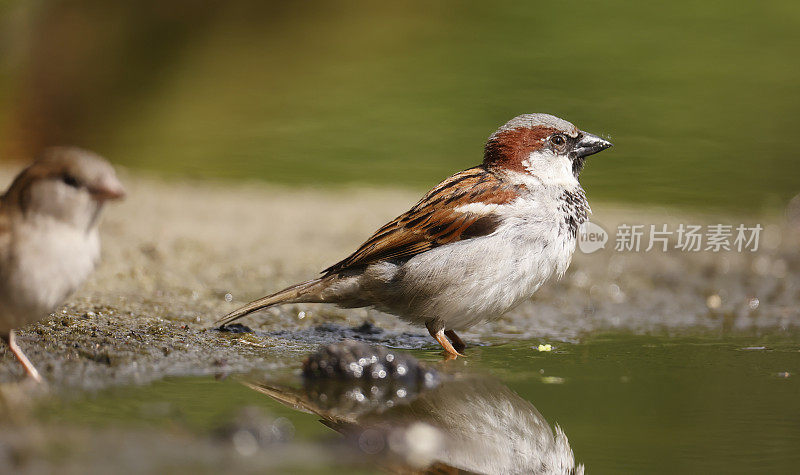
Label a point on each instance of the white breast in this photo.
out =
(477, 279)
(45, 263)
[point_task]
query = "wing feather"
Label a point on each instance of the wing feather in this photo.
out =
(461, 207)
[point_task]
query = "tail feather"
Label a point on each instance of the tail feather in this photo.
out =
(297, 293)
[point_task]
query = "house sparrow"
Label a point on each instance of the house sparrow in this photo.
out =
(48, 235)
(477, 244)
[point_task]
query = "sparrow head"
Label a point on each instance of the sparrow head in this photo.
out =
(549, 148)
(67, 184)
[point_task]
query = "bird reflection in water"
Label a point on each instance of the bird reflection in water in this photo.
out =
(418, 420)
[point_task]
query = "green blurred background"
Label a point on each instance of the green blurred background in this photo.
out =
(701, 99)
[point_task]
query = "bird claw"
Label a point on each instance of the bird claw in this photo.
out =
(439, 336)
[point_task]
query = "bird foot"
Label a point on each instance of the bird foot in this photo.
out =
(439, 336)
(26, 363)
(458, 343)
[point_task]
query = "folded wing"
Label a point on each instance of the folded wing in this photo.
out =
(461, 207)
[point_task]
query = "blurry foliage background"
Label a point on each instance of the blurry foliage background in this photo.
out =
(701, 99)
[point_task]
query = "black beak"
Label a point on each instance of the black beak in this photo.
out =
(589, 144)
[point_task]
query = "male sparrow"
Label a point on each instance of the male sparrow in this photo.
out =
(477, 244)
(48, 235)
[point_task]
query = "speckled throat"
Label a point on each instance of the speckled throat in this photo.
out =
(575, 208)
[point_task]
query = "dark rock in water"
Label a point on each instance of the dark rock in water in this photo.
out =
(353, 360)
(236, 328)
(356, 376)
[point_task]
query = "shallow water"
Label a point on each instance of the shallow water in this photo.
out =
(627, 403)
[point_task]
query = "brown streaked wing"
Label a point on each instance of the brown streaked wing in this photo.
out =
(434, 221)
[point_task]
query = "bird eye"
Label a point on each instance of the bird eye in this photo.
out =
(558, 140)
(70, 181)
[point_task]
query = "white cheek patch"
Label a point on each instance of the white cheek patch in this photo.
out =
(550, 168)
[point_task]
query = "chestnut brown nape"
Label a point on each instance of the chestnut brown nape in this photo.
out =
(510, 147)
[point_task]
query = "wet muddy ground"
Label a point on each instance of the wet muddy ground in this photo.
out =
(178, 255)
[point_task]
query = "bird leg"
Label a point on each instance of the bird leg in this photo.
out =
(458, 343)
(438, 334)
(26, 363)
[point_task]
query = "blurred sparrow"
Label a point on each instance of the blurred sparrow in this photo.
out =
(48, 235)
(477, 244)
